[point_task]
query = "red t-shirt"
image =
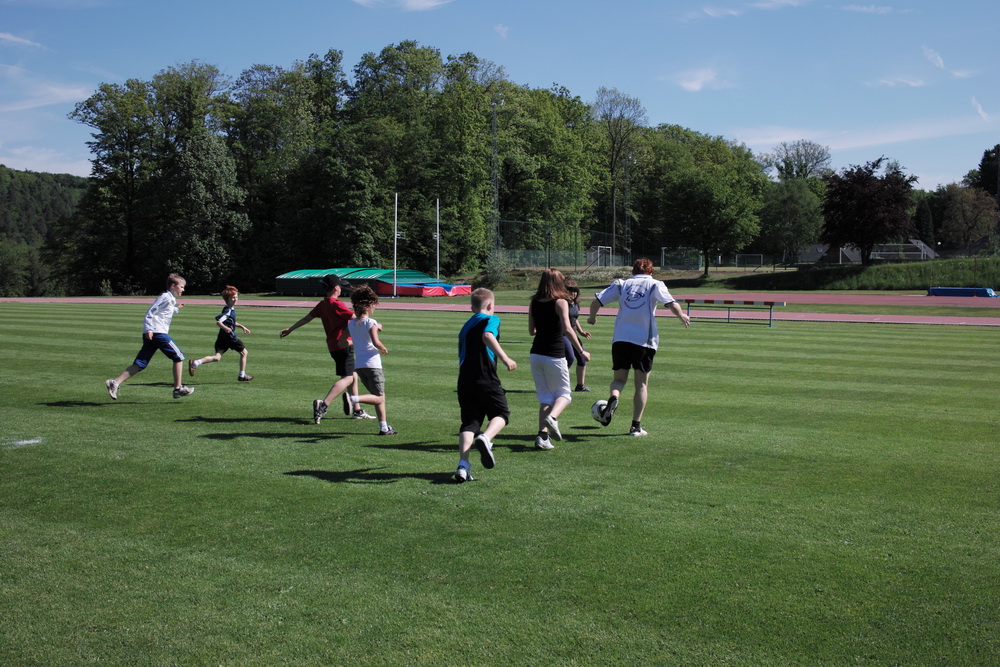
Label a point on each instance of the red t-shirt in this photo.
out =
(335, 316)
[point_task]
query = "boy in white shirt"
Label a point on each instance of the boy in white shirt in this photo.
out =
(368, 348)
(636, 337)
(156, 336)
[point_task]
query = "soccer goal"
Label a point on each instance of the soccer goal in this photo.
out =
(749, 261)
(601, 255)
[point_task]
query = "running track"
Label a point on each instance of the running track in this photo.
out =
(917, 301)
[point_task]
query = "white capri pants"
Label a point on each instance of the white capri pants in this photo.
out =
(551, 376)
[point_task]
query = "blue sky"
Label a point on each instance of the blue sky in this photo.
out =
(913, 80)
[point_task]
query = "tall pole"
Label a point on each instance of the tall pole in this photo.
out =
(395, 242)
(437, 234)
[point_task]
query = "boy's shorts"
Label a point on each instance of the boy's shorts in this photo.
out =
(482, 402)
(344, 359)
(629, 355)
(227, 341)
(162, 342)
(373, 379)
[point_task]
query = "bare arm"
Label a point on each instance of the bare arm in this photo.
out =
(492, 343)
(531, 324)
(562, 307)
(595, 306)
(373, 334)
(675, 308)
(305, 320)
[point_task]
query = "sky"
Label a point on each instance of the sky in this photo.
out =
(915, 81)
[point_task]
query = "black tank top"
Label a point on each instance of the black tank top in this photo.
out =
(548, 332)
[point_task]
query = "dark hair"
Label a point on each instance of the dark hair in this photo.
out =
(551, 285)
(362, 298)
(573, 289)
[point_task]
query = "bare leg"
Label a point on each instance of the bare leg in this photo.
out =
(377, 401)
(553, 410)
(127, 373)
(178, 369)
(243, 361)
(641, 395)
(340, 386)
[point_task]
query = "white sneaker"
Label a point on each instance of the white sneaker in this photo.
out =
(180, 392)
(485, 448)
(553, 427)
(637, 431)
(361, 414)
(463, 475)
(112, 389)
(543, 443)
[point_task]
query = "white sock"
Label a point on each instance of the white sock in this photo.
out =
(197, 362)
(243, 374)
(383, 425)
(355, 400)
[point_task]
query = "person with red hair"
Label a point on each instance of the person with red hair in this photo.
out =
(635, 335)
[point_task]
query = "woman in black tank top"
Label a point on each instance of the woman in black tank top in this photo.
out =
(548, 322)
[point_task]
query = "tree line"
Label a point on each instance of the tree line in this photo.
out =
(239, 180)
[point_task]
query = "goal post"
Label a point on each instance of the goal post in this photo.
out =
(750, 261)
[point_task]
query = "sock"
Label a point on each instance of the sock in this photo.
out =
(355, 401)
(463, 463)
(197, 362)
(383, 425)
(543, 434)
(243, 374)
(635, 424)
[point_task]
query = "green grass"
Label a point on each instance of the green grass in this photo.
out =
(809, 494)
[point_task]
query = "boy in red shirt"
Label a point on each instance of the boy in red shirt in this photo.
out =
(335, 315)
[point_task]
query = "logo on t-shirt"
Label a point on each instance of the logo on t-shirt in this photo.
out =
(635, 295)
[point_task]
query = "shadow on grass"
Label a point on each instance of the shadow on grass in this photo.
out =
(371, 476)
(298, 437)
(77, 404)
(235, 420)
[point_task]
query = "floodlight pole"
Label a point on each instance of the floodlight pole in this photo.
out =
(438, 236)
(395, 242)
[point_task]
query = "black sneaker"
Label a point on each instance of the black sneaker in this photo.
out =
(319, 410)
(609, 410)
(582, 387)
(347, 404)
(637, 431)
(182, 391)
(388, 430)
(244, 378)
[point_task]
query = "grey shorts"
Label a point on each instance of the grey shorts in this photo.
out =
(373, 379)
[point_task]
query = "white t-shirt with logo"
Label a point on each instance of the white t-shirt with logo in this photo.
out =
(637, 299)
(366, 355)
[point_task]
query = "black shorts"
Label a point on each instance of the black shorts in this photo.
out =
(227, 341)
(629, 355)
(481, 402)
(344, 359)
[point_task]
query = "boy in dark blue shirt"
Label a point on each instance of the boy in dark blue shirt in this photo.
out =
(227, 338)
(480, 395)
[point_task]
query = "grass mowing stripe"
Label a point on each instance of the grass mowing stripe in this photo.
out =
(809, 494)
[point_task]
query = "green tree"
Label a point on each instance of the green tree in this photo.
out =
(791, 218)
(622, 118)
(985, 178)
(970, 214)
(866, 206)
(703, 192)
(801, 159)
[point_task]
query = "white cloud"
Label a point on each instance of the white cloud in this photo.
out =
(717, 13)
(780, 4)
(21, 92)
(404, 5)
(868, 9)
(934, 57)
(7, 38)
(765, 138)
(696, 80)
(501, 30)
(979, 109)
(902, 81)
(47, 160)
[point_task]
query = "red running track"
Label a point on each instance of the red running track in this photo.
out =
(462, 305)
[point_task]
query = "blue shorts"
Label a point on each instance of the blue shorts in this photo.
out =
(162, 342)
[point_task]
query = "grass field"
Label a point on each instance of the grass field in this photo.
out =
(809, 494)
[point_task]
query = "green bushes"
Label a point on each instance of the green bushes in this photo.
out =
(974, 272)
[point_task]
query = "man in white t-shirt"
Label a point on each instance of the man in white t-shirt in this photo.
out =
(636, 337)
